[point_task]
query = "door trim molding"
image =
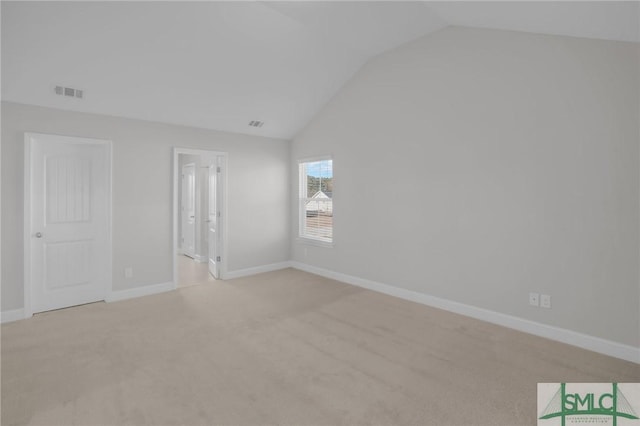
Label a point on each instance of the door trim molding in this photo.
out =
(26, 195)
(27, 212)
(176, 181)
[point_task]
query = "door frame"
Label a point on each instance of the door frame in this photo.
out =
(214, 166)
(28, 211)
(176, 203)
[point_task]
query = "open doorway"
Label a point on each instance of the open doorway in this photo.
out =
(198, 216)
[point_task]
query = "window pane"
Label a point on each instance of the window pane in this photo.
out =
(319, 219)
(316, 200)
(319, 177)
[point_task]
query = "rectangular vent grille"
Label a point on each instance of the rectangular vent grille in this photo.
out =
(256, 123)
(69, 91)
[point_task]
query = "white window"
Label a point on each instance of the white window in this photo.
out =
(316, 200)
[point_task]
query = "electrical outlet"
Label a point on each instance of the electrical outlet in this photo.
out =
(545, 301)
(128, 272)
(534, 299)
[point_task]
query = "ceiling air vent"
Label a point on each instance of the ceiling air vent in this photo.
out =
(256, 123)
(68, 91)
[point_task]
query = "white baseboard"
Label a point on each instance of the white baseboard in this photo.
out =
(255, 270)
(585, 341)
(13, 315)
(200, 259)
(146, 290)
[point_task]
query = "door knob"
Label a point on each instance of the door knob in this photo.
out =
(38, 234)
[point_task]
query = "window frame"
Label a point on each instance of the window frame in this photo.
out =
(301, 201)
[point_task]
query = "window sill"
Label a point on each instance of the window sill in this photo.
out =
(314, 242)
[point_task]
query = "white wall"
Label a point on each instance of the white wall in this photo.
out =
(142, 186)
(502, 163)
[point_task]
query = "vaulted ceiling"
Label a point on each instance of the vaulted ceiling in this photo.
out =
(220, 65)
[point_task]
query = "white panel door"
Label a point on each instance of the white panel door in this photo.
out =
(69, 241)
(212, 221)
(189, 209)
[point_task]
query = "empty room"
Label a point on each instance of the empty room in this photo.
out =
(320, 213)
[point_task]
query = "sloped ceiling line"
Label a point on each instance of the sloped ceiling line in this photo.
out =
(220, 65)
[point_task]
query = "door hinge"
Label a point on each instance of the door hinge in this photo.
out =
(218, 169)
(182, 239)
(217, 258)
(218, 214)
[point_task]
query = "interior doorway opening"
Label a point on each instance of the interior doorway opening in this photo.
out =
(199, 216)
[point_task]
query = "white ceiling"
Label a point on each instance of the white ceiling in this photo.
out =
(220, 65)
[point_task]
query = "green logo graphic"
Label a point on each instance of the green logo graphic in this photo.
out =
(613, 404)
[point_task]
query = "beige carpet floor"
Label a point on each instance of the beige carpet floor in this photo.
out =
(191, 272)
(285, 347)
